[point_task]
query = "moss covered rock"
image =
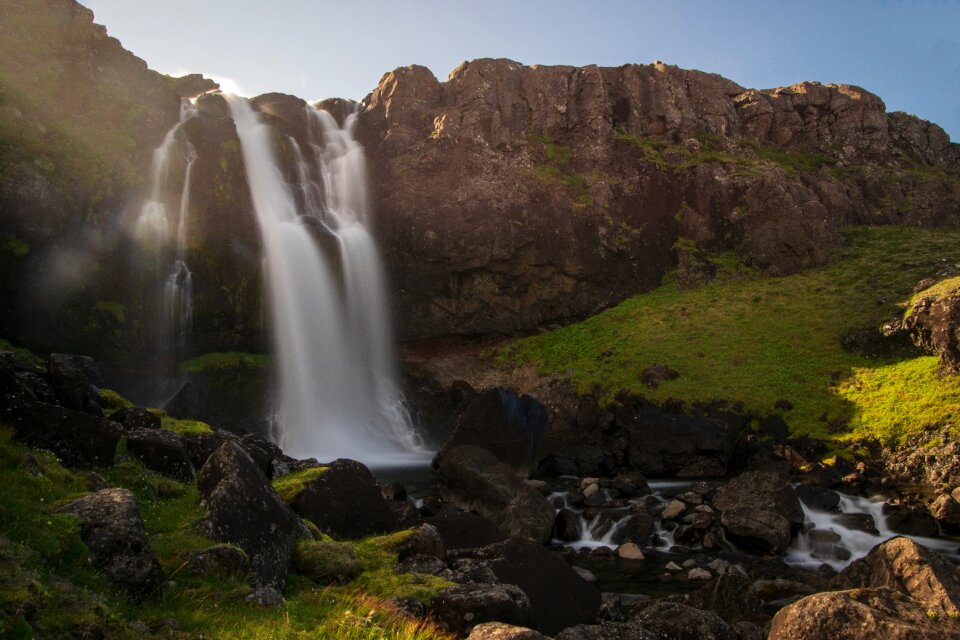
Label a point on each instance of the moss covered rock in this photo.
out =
(326, 561)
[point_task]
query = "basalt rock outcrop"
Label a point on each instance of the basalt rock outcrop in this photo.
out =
(933, 320)
(513, 196)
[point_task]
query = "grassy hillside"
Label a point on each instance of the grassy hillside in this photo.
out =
(754, 339)
(45, 576)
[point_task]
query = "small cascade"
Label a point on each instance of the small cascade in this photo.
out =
(830, 537)
(337, 391)
(173, 163)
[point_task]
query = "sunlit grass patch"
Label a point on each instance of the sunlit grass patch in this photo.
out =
(749, 338)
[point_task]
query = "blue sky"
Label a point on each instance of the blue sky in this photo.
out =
(905, 51)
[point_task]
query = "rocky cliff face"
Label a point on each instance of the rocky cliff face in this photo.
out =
(507, 198)
(514, 196)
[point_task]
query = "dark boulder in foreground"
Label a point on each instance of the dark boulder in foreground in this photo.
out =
(243, 509)
(161, 451)
(457, 609)
(346, 502)
(465, 530)
(112, 529)
(472, 479)
(79, 439)
(509, 426)
(559, 597)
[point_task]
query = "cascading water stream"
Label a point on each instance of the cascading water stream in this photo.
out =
(154, 228)
(337, 390)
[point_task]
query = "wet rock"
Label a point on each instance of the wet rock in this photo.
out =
(558, 596)
(858, 522)
(629, 551)
(910, 521)
(762, 490)
(460, 608)
(345, 502)
(630, 484)
(903, 565)
(243, 509)
(509, 426)
(568, 526)
(638, 529)
(471, 478)
(112, 529)
(756, 529)
(161, 451)
(500, 631)
(818, 497)
(859, 614)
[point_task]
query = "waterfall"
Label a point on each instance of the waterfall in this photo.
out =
(338, 395)
(176, 293)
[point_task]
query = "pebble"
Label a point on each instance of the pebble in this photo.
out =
(629, 551)
(689, 563)
(674, 509)
(698, 574)
(673, 566)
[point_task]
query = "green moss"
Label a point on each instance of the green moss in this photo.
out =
(14, 246)
(327, 561)
(895, 402)
(749, 338)
(289, 487)
(224, 360)
(112, 308)
(111, 401)
(791, 161)
(22, 353)
(379, 575)
(180, 426)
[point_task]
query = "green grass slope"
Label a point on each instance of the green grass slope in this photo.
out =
(48, 588)
(753, 339)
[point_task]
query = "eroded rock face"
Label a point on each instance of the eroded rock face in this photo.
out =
(112, 529)
(511, 196)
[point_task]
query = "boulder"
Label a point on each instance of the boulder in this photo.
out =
(638, 529)
(860, 614)
(77, 438)
(760, 511)
(501, 631)
(903, 565)
(424, 541)
(346, 502)
(111, 527)
(946, 510)
(243, 509)
(131, 418)
(161, 451)
(558, 596)
(509, 426)
(219, 561)
(731, 596)
(818, 497)
(472, 479)
(756, 530)
(666, 619)
(661, 443)
(75, 380)
(460, 608)
(199, 446)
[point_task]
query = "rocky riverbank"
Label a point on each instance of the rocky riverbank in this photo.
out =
(494, 546)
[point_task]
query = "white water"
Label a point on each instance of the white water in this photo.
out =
(809, 552)
(337, 391)
(154, 224)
